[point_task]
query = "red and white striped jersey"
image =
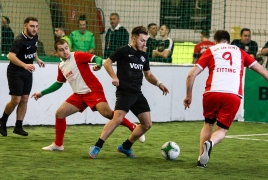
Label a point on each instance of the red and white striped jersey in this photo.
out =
(76, 71)
(226, 67)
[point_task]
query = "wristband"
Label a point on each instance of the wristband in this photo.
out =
(158, 83)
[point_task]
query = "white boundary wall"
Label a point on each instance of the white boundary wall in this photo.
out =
(163, 108)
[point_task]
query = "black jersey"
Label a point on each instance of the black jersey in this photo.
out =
(25, 49)
(130, 67)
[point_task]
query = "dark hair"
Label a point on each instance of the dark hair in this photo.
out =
(60, 27)
(151, 24)
(28, 19)
(139, 30)
(244, 29)
(205, 33)
(114, 14)
(82, 18)
(7, 19)
(167, 27)
(221, 35)
(59, 42)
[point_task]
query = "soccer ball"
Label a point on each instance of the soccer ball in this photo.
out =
(170, 150)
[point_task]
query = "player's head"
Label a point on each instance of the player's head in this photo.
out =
(139, 36)
(82, 24)
(30, 26)
(245, 35)
(221, 36)
(204, 35)
(164, 30)
(114, 19)
(62, 49)
(152, 29)
(59, 31)
(5, 21)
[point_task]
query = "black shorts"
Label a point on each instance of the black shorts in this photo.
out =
(135, 102)
(20, 83)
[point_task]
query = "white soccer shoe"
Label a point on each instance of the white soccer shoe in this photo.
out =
(53, 147)
(142, 138)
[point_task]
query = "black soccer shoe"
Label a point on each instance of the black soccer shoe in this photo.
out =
(201, 165)
(20, 131)
(3, 128)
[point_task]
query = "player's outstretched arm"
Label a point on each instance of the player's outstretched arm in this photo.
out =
(54, 87)
(261, 70)
(189, 85)
(108, 66)
(151, 78)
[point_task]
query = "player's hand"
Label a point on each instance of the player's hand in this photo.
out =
(96, 68)
(37, 95)
(29, 67)
(40, 63)
(186, 102)
(115, 81)
(163, 88)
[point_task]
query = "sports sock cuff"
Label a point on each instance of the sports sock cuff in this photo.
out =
(127, 145)
(99, 143)
(18, 123)
(212, 143)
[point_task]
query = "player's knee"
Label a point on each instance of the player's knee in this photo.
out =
(147, 126)
(108, 115)
(59, 114)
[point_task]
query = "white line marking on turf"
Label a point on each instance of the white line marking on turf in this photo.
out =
(248, 135)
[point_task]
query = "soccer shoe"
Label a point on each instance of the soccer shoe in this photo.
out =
(20, 131)
(53, 147)
(206, 152)
(142, 138)
(3, 130)
(128, 153)
(94, 151)
(201, 165)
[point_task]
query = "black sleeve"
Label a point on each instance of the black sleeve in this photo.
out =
(16, 46)
(117, 55)
(266, 45)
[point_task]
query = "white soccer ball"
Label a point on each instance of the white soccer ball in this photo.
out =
(170, 150)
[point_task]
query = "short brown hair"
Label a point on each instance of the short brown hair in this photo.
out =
(59, 42)
(221, 35)
(139, 30)
(28, 19)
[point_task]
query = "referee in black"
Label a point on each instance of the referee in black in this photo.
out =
(19, 74)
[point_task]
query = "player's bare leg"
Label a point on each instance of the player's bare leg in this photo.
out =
(21, 111)
(205, 135)
(105, 110)
(218, 135)
(145, 125)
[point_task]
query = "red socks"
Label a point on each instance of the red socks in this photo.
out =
(60, 128)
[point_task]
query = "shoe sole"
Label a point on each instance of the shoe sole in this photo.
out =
(20, 134)
(92, 156)
(133, 156)
(52, 149)
(204, 158)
